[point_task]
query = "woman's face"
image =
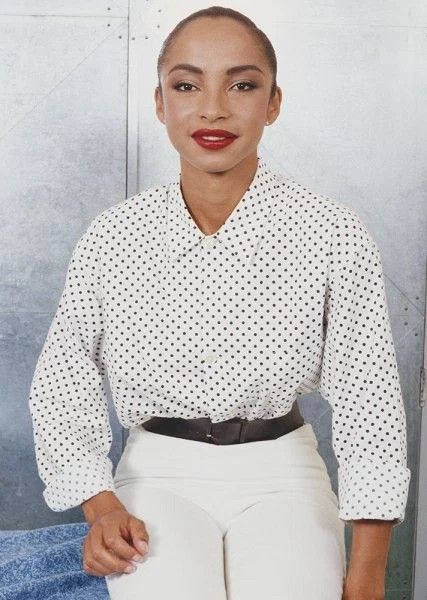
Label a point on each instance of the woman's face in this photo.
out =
(238, 102)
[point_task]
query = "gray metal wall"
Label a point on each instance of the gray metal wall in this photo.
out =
(63, 91)
(352, 126)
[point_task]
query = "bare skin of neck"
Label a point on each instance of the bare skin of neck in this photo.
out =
(212, 197)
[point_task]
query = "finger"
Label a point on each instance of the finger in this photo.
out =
(139, 535)
(115, 542)
(105, 560)
(91, 566)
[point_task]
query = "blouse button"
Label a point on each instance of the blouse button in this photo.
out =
(210, 358)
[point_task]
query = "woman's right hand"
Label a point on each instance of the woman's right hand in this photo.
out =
(115, 539)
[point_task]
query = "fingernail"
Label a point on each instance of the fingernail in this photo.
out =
(143, 545)
(138, 558)
(130, 569)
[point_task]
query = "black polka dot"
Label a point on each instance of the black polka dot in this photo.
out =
(286, 298)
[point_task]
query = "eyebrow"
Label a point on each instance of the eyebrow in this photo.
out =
(230, 71)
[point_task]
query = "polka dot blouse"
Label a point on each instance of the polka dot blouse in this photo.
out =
(286, 298)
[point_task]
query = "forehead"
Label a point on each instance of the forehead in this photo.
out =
(218, 41)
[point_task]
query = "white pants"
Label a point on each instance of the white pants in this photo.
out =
(249, 521)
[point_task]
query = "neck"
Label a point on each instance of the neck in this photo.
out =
(212, 196)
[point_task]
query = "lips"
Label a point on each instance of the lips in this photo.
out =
(217, 134)
(213, 139)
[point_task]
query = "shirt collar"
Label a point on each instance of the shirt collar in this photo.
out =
(241, 232)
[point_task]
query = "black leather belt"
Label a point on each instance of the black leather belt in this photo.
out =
(233, 431)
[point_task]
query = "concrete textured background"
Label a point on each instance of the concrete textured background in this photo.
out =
(352, 126)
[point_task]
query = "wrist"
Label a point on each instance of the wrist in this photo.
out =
(372, 573)
(100, 504)
(364, 562)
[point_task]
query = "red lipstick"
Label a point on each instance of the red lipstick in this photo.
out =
(213, 139)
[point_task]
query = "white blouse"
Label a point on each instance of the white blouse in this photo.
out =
(286, 298)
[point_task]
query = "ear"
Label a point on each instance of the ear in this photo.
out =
(274, 105)
(158, 99)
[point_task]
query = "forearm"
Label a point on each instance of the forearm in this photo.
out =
(370, 543)
(100, 504)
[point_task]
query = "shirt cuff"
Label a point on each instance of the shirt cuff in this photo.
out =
(373, 490)
(79, 483)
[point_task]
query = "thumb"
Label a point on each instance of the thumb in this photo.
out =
(139, 535)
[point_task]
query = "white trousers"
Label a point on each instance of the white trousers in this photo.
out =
(249, 521)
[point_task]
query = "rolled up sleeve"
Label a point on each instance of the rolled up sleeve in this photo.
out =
(360, 380)
(68, 401)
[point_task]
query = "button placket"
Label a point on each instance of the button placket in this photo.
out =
(209, 355)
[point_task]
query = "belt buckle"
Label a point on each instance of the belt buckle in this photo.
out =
(240, 435)
(209, 435)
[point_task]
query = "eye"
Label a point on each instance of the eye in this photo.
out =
(249, 83)
(177, 86)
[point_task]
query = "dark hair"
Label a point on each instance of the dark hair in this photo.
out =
(220, 11)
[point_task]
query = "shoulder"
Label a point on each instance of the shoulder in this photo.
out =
(341, 225)
(121, 216)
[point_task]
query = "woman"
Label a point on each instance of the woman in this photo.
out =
(214, 302)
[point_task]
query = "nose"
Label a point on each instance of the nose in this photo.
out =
(213, 105)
